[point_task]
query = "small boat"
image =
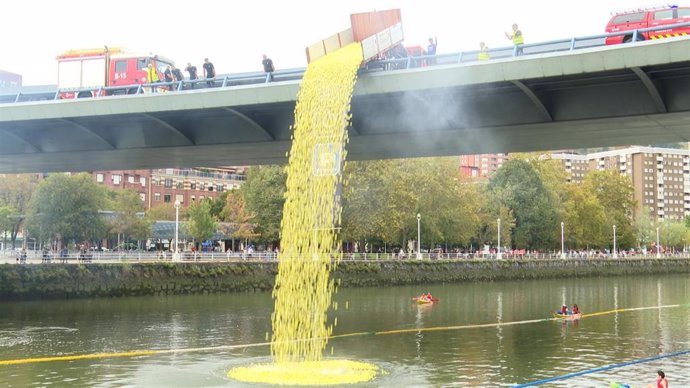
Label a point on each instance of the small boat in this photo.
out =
(425, 301)
(567, 317)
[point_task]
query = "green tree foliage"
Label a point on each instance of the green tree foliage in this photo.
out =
(218, 205)
(16, 192)
(264, 195)
(615, 194)
(646, 229)
(126, 220)
(165, 212)
(584, 218)
(519, 188)
(490, 211)
(673, 235)
(235, 212)
(201, 223)
(66, 207)
(381, 200)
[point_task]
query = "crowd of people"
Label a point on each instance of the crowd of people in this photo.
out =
(173, 74)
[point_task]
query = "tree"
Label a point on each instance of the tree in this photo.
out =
(201, 224)
(490, 211)
(584, 218)
(615, 194)
(646, 229)
(218, 205)
(66, 207)
(520, 189)
(164, 212)
(235, 212)
(673, 234)
(127, 221)
(264, 195)
(16, 192)
(6, 222)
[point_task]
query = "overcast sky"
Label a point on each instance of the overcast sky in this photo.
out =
(234, 34)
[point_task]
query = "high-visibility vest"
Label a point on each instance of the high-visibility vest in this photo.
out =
(483, 54)
(151, 75)
(518, 38)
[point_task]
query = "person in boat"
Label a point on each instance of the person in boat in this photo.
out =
(427, 297)
(661, 381)
(576, 310)
(564, 310)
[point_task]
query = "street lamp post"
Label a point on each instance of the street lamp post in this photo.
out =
(562, 240)
(419, 236)
(176, 255)
(499, 256)
(615, 253)
(658, 247)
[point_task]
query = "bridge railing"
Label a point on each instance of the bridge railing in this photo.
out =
(254, 78)
(37, 257)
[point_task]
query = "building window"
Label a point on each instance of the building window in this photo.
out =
(130, 179)
(179, 185)
(192, 186)
(210, 188)
(219, 188)
(143, 197)
(168, 182)
(179, 198)
(157, 196)
(117, 179)
(142, 180)
(167, 198)
(99, 178)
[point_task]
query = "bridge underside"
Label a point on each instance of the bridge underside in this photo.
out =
(416, 113)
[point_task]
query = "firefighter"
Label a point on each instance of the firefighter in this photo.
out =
(483, 52)
(517, 38)
(151, 76)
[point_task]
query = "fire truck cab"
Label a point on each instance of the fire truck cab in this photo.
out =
(100, 68)
(648, 17)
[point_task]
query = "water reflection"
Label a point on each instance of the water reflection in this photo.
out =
(492, 356)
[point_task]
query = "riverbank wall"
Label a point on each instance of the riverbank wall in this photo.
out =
(67, 281)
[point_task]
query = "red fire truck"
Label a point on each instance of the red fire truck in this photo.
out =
(95, 69)
(648, 17)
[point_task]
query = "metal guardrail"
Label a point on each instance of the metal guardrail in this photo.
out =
(235, 257)
(232, 80)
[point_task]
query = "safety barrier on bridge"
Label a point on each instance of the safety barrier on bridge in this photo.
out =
(569, 44)
(36, 257)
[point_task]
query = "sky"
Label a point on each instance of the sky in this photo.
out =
(234, 34)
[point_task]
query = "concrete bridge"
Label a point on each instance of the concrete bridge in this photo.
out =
(603, 96)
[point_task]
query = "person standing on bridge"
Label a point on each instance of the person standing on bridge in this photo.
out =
(152, 76)
(431, 50)
(517, 38)
(268, 68)
(483, 52)
(209, 72)
(177, 74)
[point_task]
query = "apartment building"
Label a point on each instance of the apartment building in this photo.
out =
(172, 185)
(660, 176)
(481, 166)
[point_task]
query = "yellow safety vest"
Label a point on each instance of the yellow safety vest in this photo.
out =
(518, 38)
(151, 75)
(483, 54)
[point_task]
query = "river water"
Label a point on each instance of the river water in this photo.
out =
(448, 357)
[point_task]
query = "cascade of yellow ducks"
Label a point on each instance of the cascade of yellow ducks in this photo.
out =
(303, 287)
(309, 234)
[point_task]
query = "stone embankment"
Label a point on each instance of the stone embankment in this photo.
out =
(57, 281)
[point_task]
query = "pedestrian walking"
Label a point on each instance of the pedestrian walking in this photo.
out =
(517, 38)
(209, 72)
(268, 68)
